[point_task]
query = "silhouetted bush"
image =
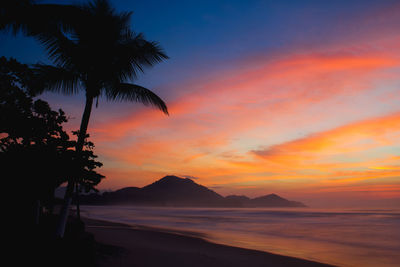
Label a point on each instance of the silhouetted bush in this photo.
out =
(36, 154)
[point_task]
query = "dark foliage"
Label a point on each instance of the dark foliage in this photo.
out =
(36, 154)
(37, 20)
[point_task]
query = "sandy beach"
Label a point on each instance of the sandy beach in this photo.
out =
(155, 247)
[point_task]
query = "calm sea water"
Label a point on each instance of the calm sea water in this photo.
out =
(340, 237)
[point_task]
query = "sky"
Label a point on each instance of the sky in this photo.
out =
(298, 98)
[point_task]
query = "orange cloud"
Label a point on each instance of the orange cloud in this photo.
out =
(280, 86)
(350, 138)
(316, 117)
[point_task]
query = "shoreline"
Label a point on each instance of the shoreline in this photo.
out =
(150, 246)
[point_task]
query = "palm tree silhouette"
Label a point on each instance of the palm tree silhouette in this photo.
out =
(95, 52)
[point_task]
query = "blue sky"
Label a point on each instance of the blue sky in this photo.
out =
(292, 97)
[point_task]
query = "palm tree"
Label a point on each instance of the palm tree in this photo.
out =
(96, 53)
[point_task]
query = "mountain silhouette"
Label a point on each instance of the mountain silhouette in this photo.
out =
(274, 200)
(173, 191)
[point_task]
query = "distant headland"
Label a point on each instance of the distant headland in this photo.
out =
(173, 191)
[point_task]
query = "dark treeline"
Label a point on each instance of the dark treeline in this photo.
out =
(34, 148)
(37, 155)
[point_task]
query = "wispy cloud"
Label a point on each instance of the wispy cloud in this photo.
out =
(315, 120)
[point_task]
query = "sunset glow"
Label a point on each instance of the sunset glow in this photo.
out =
(202, 133)
(323, 122)
(314, 118)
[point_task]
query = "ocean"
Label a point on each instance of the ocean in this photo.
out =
(338, 237)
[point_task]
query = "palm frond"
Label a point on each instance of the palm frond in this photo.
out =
(133, 53)
(57, 79)
(61, 49)
(137, 93)
(31, 19)
(13, 15)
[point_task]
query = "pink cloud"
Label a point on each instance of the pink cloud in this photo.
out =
(306, 109)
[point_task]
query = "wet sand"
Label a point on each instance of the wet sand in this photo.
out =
(128, 246)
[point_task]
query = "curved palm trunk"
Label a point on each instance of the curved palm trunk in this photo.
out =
(70, 187)
(78, 206)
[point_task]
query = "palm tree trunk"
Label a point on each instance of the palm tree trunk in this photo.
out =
(78, 207)
(70, 187)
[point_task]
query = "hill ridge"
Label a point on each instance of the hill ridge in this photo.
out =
(174, 191)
